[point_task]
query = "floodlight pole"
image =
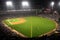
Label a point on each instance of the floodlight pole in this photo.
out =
(52, 4)
(52, 7)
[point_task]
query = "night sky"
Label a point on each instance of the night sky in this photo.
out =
(33, 3)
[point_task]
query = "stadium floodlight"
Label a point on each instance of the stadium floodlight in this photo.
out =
(59, 3)
(25, 3)
(9, 3)
(52, 3)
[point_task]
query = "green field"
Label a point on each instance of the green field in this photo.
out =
(33, 27)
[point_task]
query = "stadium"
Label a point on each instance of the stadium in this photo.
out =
(29, 23)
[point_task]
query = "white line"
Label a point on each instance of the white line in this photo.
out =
(9, 22)
(31, 27)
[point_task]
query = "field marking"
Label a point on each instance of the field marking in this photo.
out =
(31, 27)
(9, 22)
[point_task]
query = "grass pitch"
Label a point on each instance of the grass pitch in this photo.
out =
(32, 27)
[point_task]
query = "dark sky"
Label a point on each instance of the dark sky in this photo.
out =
(33, 3)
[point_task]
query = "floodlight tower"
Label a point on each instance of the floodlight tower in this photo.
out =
(52, 4)
(9, 5)
(25, 4)
(59, 3)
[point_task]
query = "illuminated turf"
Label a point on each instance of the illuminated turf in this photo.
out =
(33, 26)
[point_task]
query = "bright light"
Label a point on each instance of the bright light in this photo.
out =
(52, 3)
(9, 3)
(59, 3)
(25, 3)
